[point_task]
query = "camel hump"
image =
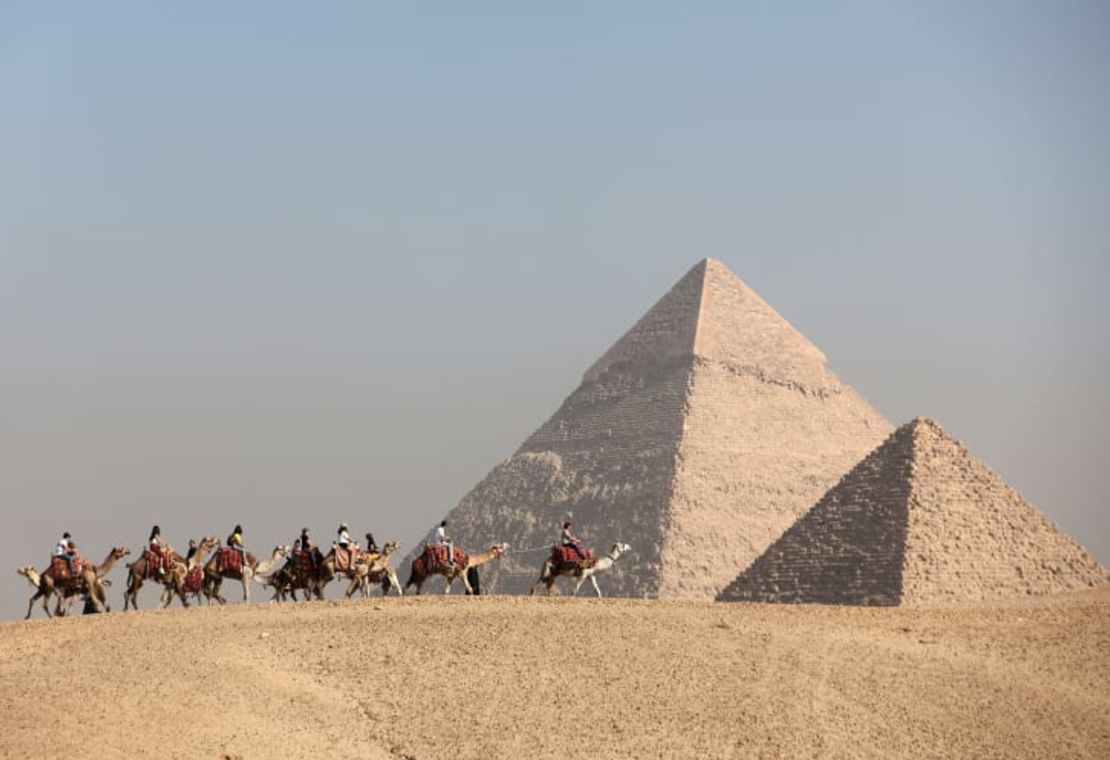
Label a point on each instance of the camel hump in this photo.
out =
(231, 560)
(561, 555)
(437, 556)
(59, 568)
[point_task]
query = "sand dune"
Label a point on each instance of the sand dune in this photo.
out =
(497, 677)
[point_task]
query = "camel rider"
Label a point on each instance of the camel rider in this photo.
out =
(307, 547)
(371, 544)
(62, 549)
(158, 549)
(442, 539)
(192, 550)
(344, 542)
(235, 541)
(567, 538)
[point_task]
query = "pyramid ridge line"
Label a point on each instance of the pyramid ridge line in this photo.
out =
(627, 350)
(699, 319)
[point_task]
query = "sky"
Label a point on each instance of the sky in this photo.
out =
(290, 264)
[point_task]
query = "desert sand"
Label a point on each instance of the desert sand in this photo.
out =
(511, 677)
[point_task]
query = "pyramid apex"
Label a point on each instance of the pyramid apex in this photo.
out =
(928, 427)
(928, 423)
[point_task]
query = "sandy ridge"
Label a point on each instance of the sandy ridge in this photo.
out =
(510, 677)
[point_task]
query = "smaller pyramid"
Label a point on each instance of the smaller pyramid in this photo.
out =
(919, 521)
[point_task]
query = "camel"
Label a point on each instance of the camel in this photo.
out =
(367, 568)
(89, 581)
(192, 582)
(173, 580)
(377, 570)
(214, 575)
(579, 570)
(288, 579)
(32, 575)
(329, 569)
(65, 602)
(420, 573)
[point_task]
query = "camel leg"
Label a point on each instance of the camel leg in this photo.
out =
(130, 594)
(354, 584)
(545, 577)
(96, 594)
(31, 605)
(578, 585)
(593, 580)
(466, 583)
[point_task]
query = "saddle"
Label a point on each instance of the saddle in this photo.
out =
(568, 555)
(303, 562)
(436, 556)
(345, 558)
(193, 580)
(59, 568)
(154, 559)
(231, 561)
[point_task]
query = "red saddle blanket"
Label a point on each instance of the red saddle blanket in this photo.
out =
(437, 555)
(193, 580)
(153, 560)
(232, 561)
(59, 568)
(567, 554)
(304, 563)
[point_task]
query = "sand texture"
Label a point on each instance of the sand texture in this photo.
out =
(698, 439)
(506, 677)
(918, 521)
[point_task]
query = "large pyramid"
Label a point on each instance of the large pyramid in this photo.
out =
(698, 438)
(918, 521)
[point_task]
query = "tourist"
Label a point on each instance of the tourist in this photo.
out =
(63, 549)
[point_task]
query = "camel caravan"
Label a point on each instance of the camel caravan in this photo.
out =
(302, 567)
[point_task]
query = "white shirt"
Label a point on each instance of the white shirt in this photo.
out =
(62, 549)
(344, 537)
(441, 535)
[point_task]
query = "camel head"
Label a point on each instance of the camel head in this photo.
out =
(390, 547)
(499, 549)
(280, 551)
(619, 549)
(120, 551)
(208, 543)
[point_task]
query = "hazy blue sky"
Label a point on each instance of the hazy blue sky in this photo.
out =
(288, 265)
